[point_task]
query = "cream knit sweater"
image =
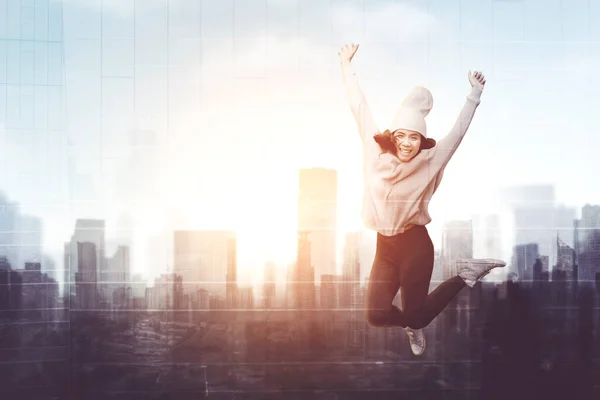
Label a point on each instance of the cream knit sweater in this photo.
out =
(397, 194)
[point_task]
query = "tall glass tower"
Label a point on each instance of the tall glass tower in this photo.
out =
(33, 140)
(32, 102)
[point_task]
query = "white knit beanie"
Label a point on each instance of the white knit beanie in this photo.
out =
(412, 112)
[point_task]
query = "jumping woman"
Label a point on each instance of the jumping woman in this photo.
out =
(403, 168)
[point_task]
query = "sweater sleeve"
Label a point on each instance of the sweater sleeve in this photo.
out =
(388, 167)
(444, 150)
(367, 127)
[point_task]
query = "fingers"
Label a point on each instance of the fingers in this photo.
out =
(347, 52)
(344, 51)
(478, 76)
(350, 48)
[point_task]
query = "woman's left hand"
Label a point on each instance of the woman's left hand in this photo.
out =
(477, 79)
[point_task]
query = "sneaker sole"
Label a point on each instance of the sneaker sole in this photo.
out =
(495, 263)
(486, 261)
(422, 351)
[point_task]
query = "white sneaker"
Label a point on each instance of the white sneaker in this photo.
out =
(416, 339)
(472, 270)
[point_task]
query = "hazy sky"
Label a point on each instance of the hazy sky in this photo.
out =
(243, 93)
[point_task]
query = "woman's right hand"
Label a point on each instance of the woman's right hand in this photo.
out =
(347, 52)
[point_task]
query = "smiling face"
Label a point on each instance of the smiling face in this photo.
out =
(407, 143)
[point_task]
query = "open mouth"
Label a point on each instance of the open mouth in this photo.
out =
(405, 152)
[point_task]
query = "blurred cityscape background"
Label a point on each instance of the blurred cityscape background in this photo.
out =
(123, 273)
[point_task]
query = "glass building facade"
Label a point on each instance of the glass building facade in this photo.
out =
(33, 142)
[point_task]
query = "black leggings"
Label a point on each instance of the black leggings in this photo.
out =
(405, 261)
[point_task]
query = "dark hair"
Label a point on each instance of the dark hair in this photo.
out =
(387, 142)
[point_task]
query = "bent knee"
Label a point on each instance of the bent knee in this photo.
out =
(415, 321)
(377, 318)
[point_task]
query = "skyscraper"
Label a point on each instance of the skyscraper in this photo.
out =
(32, 89)
(231, 288)
(269, 288)
(565, 262)
(317, 217)
(28, 238)
(350, 270)
(524, 257)
(587, 243)
(350, 293)
(536, 218)
(207, 260)
(91, 231)
(20, 235)
(290, 286)
(565, 224)
(246, 298)
(118, 273)
(33, 128)
(437, 276)
(11, 290)
(86, 277)
(304, 275)
(9, 215)
(457, 242)
(166, 294)
(328, 292)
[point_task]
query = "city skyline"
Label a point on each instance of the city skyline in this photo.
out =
(114, 90)
(458, 241)
(205, 273)
(481, 244)
(215, 258)
(181, 186)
